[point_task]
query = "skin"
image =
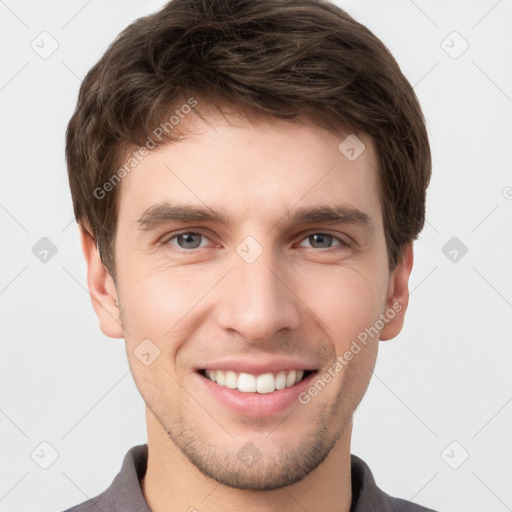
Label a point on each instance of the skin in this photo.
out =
(298, 298)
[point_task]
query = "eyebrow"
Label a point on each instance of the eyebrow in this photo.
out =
(162, 214)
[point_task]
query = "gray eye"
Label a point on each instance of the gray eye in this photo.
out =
(321, 240)
(189, 240)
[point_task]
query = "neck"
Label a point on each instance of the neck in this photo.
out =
(173, 483)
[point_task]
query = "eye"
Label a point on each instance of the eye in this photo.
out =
(186, 240)
(325, 241)
(190, 240)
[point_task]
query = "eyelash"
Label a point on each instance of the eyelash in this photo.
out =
(342, 243)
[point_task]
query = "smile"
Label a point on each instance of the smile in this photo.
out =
(249, 383)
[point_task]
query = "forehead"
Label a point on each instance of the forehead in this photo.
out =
(252, 169)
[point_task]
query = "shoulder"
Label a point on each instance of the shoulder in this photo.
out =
(399, 505)
(367, 496)
(101, 502)
(124, 493)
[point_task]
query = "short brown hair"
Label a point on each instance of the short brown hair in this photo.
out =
(282, 58)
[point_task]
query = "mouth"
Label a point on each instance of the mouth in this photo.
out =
(265, 383)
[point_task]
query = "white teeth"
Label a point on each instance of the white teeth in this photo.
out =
(281, 380)
(221, 378)
(290, 378)
(247, 383)
(265, 383)
(231, 380)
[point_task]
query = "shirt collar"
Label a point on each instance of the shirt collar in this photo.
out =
(125, 493)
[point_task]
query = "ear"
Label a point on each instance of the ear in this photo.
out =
(397, 298)
(101, 288)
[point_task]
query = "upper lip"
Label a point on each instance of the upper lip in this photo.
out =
(258, 367)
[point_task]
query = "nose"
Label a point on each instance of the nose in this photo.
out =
(258, 299)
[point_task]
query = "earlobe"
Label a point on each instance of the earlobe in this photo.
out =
(101, 288)
(398, 295)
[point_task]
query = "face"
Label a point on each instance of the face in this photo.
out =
(250, 259)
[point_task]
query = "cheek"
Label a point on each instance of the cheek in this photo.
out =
(345, 302)
(159, 305)
(156, 308)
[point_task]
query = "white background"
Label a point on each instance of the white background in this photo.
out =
(445, 378)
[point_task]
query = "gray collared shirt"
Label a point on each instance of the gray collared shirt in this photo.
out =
(125, 494)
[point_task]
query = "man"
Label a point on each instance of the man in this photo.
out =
(249, 178)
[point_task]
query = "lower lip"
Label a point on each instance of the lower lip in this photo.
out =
(256, 404)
